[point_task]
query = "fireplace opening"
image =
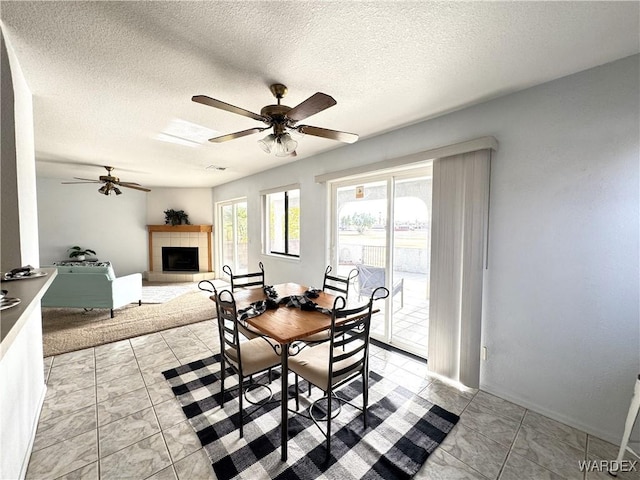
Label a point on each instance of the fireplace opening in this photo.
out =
(180, 259)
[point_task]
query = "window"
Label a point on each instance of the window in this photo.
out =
(282, 222)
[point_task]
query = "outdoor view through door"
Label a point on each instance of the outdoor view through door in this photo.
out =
(382, 227)
(233, 240)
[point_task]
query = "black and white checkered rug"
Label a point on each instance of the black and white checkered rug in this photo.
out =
(403, 429)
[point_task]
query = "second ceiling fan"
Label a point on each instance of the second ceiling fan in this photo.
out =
(282, 119)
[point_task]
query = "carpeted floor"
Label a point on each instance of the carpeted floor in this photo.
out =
(69, 329)
(404, 429)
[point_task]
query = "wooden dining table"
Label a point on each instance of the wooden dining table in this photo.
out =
(285, 325)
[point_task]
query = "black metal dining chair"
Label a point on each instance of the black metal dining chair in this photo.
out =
(343, 358)
(338, 285)
(245, 280)
(335, 285)
(246, 358)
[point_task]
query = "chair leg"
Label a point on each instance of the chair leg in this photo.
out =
(112, 313)
(222, 375)
(365, 396)
(329, 404)
(297, 399)
(240, 395)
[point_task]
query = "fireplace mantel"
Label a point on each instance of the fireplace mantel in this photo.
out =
(180, 229)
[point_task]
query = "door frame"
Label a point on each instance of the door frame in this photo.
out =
(219, 232)
(391, 176)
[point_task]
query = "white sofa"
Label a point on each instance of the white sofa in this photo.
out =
(92, 286)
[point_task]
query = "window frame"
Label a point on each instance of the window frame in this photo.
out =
(266, 224)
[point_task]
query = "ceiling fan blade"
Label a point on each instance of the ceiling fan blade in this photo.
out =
(135, 187)
(126, 184)
(312, 105)
(326, 133)
(231, 136)
(212, 102)
(88, 181)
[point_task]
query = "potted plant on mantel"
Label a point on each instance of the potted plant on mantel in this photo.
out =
(80, 253)
(176, 217)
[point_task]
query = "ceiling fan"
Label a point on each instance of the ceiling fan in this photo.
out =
(282, 119)
(111, 183)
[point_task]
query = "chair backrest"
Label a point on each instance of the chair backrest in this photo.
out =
(370, 278)
(245, 280)
(338, 284)
(228, 328)
(349, 348)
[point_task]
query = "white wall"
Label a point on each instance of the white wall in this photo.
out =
(196, 202)
(113, 226)
(561, 300)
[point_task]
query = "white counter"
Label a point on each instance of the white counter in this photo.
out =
(22, 387)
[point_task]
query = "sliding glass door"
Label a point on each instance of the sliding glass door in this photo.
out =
(232, 235)
(381, 227)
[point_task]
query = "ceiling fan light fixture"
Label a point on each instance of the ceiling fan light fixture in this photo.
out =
(267, 143)
(285, 145)
(104, 190)
(117, 190)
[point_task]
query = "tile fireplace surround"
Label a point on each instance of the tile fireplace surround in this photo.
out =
(180, 236)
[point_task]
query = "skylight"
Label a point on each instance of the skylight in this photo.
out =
(186, 133)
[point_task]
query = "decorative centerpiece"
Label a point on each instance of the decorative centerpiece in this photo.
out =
(80, 253)
(176, 217)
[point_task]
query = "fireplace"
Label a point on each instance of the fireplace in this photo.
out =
(180, 259)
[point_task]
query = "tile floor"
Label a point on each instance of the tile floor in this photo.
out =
(109, 414)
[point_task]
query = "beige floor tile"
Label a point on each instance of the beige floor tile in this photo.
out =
(166, 474)
(70, 383)
(197, 465)
(519, 468)
(64, 404)
(64, 427)
(161, 358)
(85, 356)
(556, 429)
(169, 413)
(116, 371)
(160, 392)
(128, 430)
(181, 440)
(479, 452)
(603, 450)
(122, 406)
(500, 429)
(446, 396)
(153, 375)
(64, 457)
(88, 472)
(554, 454)
(499, 406)
(442, 466)
(140, 460)
(119, 386)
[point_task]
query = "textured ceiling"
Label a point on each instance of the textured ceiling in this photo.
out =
(107, 77)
